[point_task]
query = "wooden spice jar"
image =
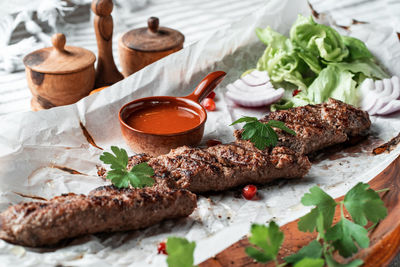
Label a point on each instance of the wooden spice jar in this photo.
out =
(59, 75)
(141, 47)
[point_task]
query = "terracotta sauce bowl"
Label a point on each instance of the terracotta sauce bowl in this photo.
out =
(156, 141)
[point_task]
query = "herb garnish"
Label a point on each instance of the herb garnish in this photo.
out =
(362, 203)
(180, 252)
(267, 240)
(262, 134)
(139, 176)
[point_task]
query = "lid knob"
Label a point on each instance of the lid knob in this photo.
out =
(59, 41)
(153, 23)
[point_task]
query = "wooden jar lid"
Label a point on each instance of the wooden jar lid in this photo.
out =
(153, 38)
(59, 59)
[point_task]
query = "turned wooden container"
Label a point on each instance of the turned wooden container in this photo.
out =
(143, 46)
(59, 75)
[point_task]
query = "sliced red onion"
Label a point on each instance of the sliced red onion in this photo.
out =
(367, 88)
(391, 107)
(256, 100)
(254, 90)
(394, 104)
(240, 86)
(385, 96)
(381, 97)
(378, 86)
(256, 77)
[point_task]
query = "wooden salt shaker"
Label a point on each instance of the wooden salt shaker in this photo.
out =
(59, 75)
(143, 46)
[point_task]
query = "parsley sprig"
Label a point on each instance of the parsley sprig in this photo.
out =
(362, 203)
(267, 241)
(180, 252)
(262, 135)
(139, 176)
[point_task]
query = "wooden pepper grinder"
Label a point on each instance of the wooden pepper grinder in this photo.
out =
(106, 71)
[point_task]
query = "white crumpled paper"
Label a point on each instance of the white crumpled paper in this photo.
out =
(34, 147)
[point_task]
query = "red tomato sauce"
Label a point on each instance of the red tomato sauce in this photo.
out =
(164, 118)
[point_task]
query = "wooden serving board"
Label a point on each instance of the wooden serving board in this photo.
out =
(385, 238)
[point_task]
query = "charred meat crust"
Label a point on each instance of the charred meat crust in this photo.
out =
(105, 209)
(226, 166)
(223, 166)
(318, 126)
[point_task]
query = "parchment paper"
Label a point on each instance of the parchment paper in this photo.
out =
(36, 147)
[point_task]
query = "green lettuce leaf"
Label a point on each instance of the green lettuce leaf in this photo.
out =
(273, 39)
(318, 39)
(365, 66)
(311, 60)
(279, 58)
(357, 48)
(281, 66)
(331, 82)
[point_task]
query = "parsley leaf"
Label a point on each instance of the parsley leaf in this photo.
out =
(332, 263)
(180, 252)
(119, 161)
(139, 176)
(310, 262)
(262, 135)
(325, 206)
(282, 126)
(267, 241)
(364, 204)
(344, 234)
(312, 250)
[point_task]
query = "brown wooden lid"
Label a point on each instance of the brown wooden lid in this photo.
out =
(59, 59)
(153, 38)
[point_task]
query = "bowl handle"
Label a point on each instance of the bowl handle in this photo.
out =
(206, 86)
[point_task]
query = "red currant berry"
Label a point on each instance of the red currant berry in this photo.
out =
(208, 104)
(249, 191)
(162, 248)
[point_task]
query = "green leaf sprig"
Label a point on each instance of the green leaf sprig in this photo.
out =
(346, 237)
(139, 176)
(262, 135)
(180, 252)
(343, 237)
(267, 241)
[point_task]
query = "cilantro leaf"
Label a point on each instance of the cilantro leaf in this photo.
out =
(262, 135)
(180, 252)
(267, 241)
(312, 250)
(325, 205)
(310, 262)
(364, 204)
(332, 263)
(139, 176)
(344, 234)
